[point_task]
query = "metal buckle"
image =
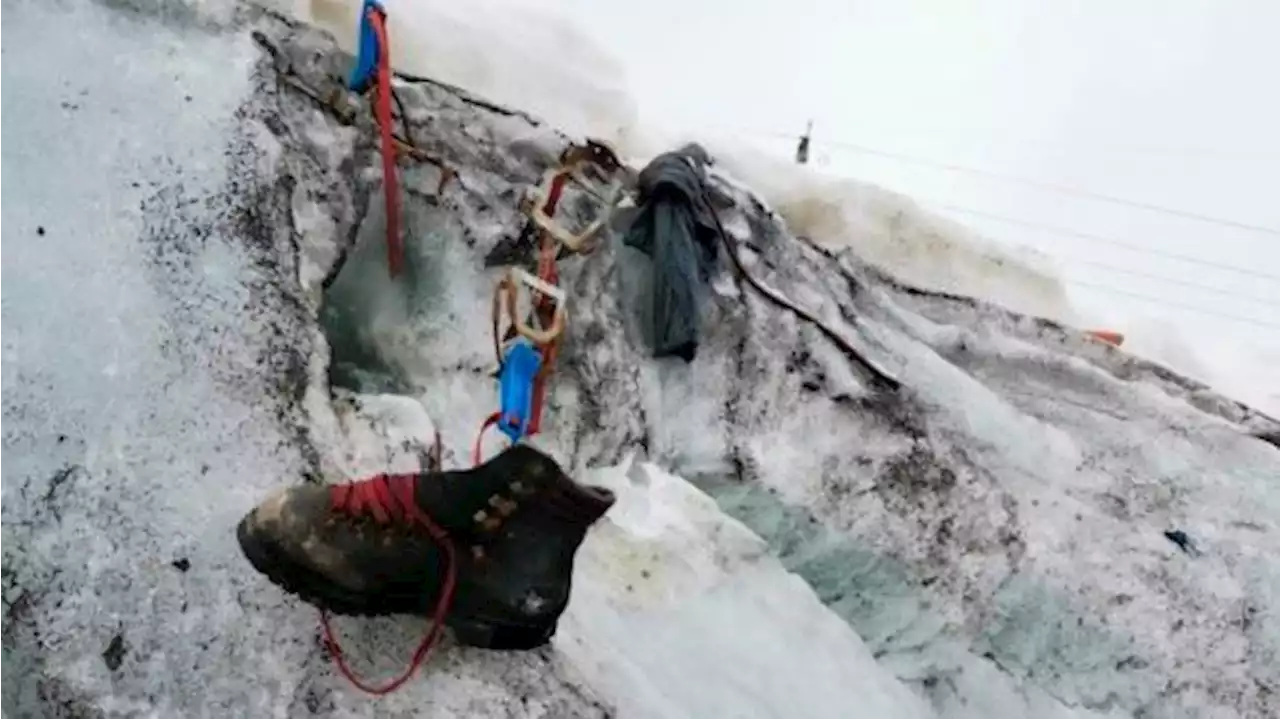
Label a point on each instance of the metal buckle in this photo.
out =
(506, 298)
(578, 160)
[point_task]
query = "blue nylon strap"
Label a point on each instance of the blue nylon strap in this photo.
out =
(515, 388)
(362, 75)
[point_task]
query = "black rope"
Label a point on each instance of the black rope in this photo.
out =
(404, 118)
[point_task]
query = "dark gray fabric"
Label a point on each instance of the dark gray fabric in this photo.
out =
(676, 228)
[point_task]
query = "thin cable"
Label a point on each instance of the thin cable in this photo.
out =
(1171, 280)
(1108, 240)
(1050, 187)
(1169, 303)
(1137, 248)
(1063, 189)
(1095, 148)
(404, 118)
(1097, 238)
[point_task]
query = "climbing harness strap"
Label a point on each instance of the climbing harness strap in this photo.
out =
(373, 66)
(506, 297)
(525, 357)
(543, 207)
(530, 357)
(390, 188)
(578, 162)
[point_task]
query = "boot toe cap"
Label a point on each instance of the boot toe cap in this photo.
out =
(284, 538)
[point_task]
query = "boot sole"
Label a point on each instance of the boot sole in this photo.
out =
(315, 590)
(500, 637)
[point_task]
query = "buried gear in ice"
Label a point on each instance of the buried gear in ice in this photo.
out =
(676, 226)
(510, 527)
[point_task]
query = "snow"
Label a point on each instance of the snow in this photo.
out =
(794, 542)
(138, 425)
(563, 74)
(893, 232)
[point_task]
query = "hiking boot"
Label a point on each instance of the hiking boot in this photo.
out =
(382, 546)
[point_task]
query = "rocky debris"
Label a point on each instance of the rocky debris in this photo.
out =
(115, 652)
(1270, 437)
(1182, 541)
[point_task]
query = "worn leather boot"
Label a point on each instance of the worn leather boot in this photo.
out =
(382, 546)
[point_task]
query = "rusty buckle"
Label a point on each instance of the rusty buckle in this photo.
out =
(588, 166)
(506, 298)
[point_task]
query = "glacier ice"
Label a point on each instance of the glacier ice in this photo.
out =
(696, 618)
(987, 542)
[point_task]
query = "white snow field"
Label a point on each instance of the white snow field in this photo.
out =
(197, 313)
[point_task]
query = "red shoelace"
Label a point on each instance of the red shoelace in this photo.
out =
(391, 499)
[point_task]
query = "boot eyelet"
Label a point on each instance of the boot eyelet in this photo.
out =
(504, 506)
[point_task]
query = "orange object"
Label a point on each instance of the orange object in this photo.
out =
(1109, 336)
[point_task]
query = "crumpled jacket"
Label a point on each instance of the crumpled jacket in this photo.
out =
(676, 227)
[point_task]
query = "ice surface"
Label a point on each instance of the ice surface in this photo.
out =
(153, 351)
(680, 611)
(995, 532)
(987, 541)
(141, 374)
(158, 379)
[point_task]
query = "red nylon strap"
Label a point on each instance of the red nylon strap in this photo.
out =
(382, 106)
(548, 272)
(476, 450)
